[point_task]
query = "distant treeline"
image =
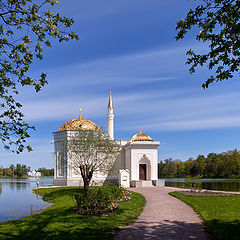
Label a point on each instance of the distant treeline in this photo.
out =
(21, 170)
(18, 170)
(226, 164)
(46, 172)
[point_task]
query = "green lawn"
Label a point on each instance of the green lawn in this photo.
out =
(221, 214)
(59, 222)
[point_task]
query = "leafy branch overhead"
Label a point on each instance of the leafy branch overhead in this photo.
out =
(26, 29)
(218, 23)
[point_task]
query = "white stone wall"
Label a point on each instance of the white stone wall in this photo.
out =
(135, 151)
(128, 161)
(64, 173)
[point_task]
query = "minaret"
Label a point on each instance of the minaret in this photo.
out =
(110, 118)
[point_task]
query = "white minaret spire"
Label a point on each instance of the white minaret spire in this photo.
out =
(110, 118)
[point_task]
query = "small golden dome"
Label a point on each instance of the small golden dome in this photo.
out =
(79, 124)
(140, 137)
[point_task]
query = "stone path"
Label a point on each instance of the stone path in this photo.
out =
(164, 218)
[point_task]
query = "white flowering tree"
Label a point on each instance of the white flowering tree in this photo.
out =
(92, 151)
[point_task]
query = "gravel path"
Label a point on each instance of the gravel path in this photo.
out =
(164, 218)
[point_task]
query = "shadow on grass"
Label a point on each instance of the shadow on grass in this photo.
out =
(59, 222)
(222, 230)
(59, 225)
(50, 195)
(220, 214)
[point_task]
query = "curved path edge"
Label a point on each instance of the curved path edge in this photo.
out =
(164, 218)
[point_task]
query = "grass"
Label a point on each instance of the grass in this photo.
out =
(221, 214)
(59, 222)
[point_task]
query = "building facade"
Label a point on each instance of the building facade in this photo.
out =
(139, 155)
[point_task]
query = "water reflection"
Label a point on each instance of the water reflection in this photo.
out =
(209, 184)
(14, 184)
(17, 199)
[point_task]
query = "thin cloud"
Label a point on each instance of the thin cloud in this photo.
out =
(154, 65)
(42, 155)
(196, 124)
(183, 113)
(164, 110)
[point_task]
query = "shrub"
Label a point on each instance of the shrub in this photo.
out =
(100, 200)
(194, 183)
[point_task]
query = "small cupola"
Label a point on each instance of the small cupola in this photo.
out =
(140, 137)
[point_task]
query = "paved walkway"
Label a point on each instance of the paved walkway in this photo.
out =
(164, 218)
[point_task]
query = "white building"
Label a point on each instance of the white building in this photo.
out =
(139, 155)
(34, 174)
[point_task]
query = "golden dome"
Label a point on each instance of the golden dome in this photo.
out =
(79, 124)
(140, 137)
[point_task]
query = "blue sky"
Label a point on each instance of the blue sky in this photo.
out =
(128, 47)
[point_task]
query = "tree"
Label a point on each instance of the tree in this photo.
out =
(188, 166)
(46, 172)
(160, 169)
(180, 168)
(170, 168)
(12, 167)
(210, 164)
(91, 151)
(219, 25)
(8, 172)
(19, 170)
(27, 27)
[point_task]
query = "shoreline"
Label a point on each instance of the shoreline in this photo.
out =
(59, 219)
(205, 190)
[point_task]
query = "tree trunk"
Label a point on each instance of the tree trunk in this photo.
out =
(86, 182)
(86, 176)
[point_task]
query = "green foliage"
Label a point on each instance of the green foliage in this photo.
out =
(92, 151)
(102, 200)
(26, 29)
(193, 183)
(218, 24)
(225, 164)
(59, 222)
(7, 172)
(19, 170)
(46, 172)
(220, 214)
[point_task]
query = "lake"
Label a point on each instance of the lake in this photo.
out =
(209, 184)
(17, 199)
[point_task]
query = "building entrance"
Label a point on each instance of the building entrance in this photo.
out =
(142, 171)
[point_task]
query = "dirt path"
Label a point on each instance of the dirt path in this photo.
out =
(164, 218)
